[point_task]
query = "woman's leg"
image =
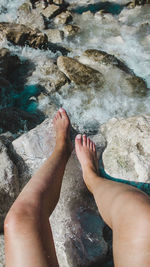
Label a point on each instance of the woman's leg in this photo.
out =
(124, 208)
(28, 236)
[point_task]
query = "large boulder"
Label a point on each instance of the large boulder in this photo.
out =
(112, 68)
(127, 155)
(79, 73)
(77, 227)
(9, 183)
(23, 35)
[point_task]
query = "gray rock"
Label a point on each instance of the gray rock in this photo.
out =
(30, 17)
(22, 35)
(9, 183)
(63, 18)
(70, 30)
(51, 11)
(78, 73)
(51, 77)
(77, 241)
(55, 35)
(127, 155)
(112, 68)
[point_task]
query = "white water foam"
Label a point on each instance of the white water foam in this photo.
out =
(118, 35)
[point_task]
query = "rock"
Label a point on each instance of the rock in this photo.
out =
(80, 245)
(55, 35)
(78, 73)
(2, 251)
(70, 30)
(58, 2)
(127, 155)
(51, 78)
(112, 68)
(22, 35)
(51, 11)
(14, 120)
(9, 183)
(63, 18)
(8, 63)
(30, 17)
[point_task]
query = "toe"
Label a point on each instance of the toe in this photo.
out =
(84, 140)
(91, 145)
(63, 113)
(78, 140)
(88, 142)
(94, 147)
(58, 114)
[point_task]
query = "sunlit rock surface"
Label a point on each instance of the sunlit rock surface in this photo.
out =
(78, 73)
(110, 66)
(30, 17)
(127, 155)
(79, 238)
(22, 35)
(9, 183)
(51, 78)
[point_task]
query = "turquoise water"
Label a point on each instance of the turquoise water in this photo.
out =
(22, 99)
(108, 7)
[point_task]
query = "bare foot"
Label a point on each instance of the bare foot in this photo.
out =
(86, 153)
(61, 124)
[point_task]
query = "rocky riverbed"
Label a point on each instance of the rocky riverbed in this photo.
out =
(92, 58)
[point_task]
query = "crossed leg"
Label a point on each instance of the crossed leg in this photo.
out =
(28, 236)
(124, 208)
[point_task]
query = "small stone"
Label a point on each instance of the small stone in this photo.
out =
(70, 30)
(51, 11)
(63, 18)
(55, 35)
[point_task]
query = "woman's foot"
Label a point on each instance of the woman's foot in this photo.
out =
(61, 124)
(86, 153)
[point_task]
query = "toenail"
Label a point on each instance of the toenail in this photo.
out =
(78, 136)
(61, 109)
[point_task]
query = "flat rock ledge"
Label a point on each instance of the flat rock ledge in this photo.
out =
(76, 206)
(127, 155)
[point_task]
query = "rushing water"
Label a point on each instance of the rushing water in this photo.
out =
(124, 35)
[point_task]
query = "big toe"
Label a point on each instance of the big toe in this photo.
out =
(63, 113)
(78, 141)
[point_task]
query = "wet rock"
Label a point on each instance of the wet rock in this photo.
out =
(30, 17)
(58, 2)
(14, 120)
(80, 245)
(55, 35)
(112, 68)
(127, 155)
(8, 63)
(51, 11)
(9, 183)
(78, 73)
(51, 78)
(70, 30)
(23, 35)
(63, 18)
